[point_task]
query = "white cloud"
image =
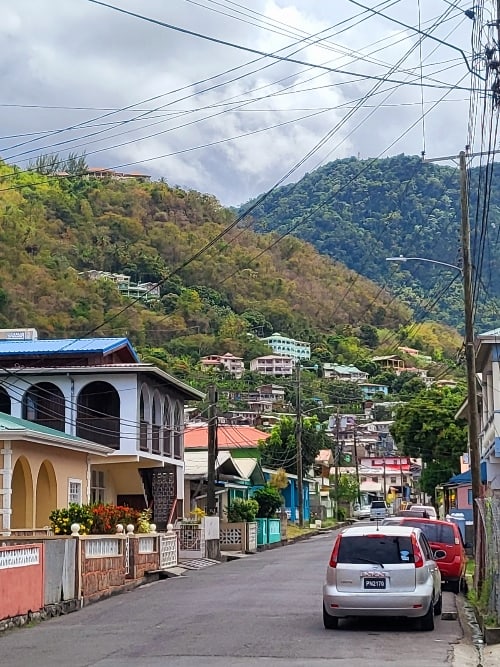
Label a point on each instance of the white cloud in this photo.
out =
(79, 54)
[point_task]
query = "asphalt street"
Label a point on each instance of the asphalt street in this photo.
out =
(261, 610)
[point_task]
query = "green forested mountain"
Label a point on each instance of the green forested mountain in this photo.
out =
(361, 211)
(54, 229)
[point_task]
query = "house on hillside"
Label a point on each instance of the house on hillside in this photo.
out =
(41, 469)
(370, 389)
(390, 362)
(273, 364)
(344, 373)
(228, 362)
(289, 347)
(97, 389)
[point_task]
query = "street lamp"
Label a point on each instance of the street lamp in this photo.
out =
(424, 259)
(298, 441)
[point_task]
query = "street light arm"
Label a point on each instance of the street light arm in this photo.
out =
(424, 259)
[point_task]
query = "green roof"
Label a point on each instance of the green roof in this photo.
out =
(10, 423)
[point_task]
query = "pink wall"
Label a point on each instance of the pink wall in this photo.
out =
(21, 579)
(463, 497)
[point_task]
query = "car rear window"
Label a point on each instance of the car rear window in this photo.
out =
(377, 504)
(388, 550)
(434, 532)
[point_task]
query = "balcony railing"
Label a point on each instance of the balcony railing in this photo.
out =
(156, 439)
(103, 430)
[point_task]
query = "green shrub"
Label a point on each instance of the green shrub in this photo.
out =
(242, 510)
(269, 500)
(62, 519)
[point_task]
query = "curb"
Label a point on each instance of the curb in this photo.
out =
(313, 533)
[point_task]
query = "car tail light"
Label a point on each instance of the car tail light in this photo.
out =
(375, 535)
(335, 552)
(417, 554)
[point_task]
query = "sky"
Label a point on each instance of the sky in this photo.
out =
(135, 96)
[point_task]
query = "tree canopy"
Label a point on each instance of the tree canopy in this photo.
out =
(426, 428)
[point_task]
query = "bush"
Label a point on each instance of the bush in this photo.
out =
(269, 500)
(106, 518)
(62, 519)
(242, 510)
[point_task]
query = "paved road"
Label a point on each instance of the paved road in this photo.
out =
(258, 611)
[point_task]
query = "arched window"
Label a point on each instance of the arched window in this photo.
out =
(144, 418)
(167, 427)
(98, 414)
(156, 423)
(43, 404)
(178, 430)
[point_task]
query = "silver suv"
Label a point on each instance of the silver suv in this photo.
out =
(378, 510)
(390, 571)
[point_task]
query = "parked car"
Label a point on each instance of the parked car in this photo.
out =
(420, 514)
(390, 571)
(362, 512)
(429, 509)
(444, 536)
(378, 510)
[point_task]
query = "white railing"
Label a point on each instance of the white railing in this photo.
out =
(103, 547)
(146, 545)
(168, 550)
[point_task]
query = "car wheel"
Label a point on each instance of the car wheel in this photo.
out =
(438, 607)
(463, 586)
(330, 622)
(427, 621)
(455, 586)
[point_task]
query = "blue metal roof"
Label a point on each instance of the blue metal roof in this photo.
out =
(466, 478)
(64, 346)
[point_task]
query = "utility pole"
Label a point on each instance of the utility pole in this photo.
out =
(337, 462)
(470, 352)
(212, 450)
(356, 462)
(298, 443)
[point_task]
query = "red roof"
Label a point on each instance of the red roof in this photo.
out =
(228, 437)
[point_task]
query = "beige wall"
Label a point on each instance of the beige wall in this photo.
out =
(120, 479)
(40, 481)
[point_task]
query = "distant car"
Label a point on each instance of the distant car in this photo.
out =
(413, 513)
(378, 510)
(443, 536)
(390, 571)
(362, 512)
(431, 511)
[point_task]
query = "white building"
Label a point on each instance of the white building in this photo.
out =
(273, 364)
(297, 349)
(230, 363)
(344, 373)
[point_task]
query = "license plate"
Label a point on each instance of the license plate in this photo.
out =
(374, 584)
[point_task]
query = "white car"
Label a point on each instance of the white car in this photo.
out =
(428, 509)
(362, 512)
(389, 571)
(378, 510)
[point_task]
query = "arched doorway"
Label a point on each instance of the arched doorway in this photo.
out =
(22, 495)
(46, 494)
(5, 404)
(98, 414)
(43, 404)
(167, 427)
(144, 419)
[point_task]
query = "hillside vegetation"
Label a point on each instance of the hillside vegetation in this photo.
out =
(53, 229)
(361, 211)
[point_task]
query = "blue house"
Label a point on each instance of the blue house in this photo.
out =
(369, 389)
(290, 494)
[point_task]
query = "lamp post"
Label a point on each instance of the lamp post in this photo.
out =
(298, 441)
(470, 355)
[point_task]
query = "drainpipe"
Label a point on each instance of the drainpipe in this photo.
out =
(7, 486)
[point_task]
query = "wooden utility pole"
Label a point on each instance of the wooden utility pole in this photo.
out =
(356, 463)
(470, 352)
(212, 450)
(298, 443)
(337, 463)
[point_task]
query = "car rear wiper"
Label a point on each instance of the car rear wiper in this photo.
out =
(368, 560)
